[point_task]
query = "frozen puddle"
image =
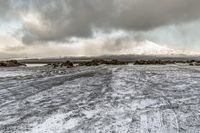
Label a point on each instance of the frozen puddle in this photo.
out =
(35, 65)
(103, 99)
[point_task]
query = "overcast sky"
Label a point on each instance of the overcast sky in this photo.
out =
(47, 28)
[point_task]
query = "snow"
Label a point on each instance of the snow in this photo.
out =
(55, 124)
(148, 47)
(4, 74)
(152, 48)
(131, 98)
(35, 65)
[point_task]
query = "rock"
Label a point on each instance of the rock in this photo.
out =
(194, 64)
(154, 62)
(90, 63)
(67, 64)
(102, 62)
(197, 64)
(11, 63)
(116, 62)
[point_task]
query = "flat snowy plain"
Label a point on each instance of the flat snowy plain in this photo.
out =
(103, 99)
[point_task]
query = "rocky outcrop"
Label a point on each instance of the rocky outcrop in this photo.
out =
(153, 62)
(116, 62)
(70, 64)
(102, 62)
(194, 64)
(11, 63)
(67, 64)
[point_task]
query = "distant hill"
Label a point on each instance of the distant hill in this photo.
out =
(111, 57)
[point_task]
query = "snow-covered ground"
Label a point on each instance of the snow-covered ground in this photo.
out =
(13, 73)
(103, 99)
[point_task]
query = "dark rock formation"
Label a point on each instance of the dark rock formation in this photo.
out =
(11, 63)
(90, 63)
(194, 64)
(102, 62)
(116, 62)
(54, 65)
(154, 62)
(67, 64)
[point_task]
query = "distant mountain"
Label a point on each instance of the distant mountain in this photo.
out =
(151, 48)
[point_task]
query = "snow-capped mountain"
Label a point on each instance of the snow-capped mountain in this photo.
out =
(148, 47)
(151, 48)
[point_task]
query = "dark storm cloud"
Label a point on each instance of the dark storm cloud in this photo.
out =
(10, 9)
(62, 19)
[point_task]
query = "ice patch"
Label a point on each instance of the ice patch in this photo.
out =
(35, 65)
